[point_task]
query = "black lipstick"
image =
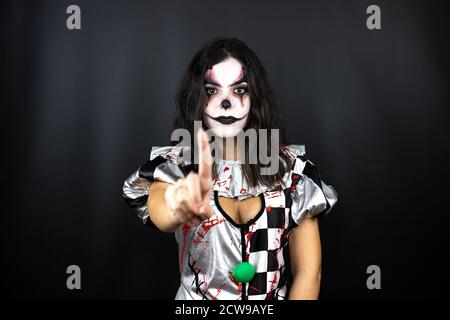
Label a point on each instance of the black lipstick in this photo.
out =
(226, 120)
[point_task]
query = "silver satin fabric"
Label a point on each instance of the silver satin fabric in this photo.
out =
(135, 187)
(308, 198)
(213, 257)
(207, 257)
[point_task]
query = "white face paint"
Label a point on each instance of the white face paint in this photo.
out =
(228, 105)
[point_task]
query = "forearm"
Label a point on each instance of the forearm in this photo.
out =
(305, 286)
(159, 211)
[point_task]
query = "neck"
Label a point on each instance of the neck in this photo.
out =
(229, 148)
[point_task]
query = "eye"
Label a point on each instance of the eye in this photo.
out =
(211, 91)
(241, 90)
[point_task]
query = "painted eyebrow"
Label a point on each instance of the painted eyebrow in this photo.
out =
(211, 82)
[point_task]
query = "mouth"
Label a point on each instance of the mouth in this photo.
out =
(225, 120)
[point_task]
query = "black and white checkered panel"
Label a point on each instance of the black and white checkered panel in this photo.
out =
(135, 187)
(267, 239)
(310, 195)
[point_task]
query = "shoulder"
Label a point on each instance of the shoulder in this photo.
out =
(310, 195)
(176, 154)
(300, 164)
(293, 150)
(296, 155)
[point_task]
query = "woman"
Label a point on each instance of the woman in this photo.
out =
(241, 234)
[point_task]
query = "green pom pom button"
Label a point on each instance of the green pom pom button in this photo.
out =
(244, 272)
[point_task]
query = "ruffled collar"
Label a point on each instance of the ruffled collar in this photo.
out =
(229, 180)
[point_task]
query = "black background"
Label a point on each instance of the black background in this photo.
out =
(82, 109)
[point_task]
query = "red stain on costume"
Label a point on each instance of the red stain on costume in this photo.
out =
(247, 234)
(224, 183)
(236, 283)
(198, 241)
(271, 194)
(221, 183)
(219, 290)
(285, 234)
(275, 278)
(169, 154)
(254, 289)
(287, 151)
(185, 230)
(208, 224)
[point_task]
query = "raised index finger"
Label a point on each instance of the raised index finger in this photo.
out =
(204, 161)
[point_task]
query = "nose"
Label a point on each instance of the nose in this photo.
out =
(226, 104)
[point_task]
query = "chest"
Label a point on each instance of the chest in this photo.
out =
(242, 211)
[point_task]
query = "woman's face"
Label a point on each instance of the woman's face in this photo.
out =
(228, 103)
